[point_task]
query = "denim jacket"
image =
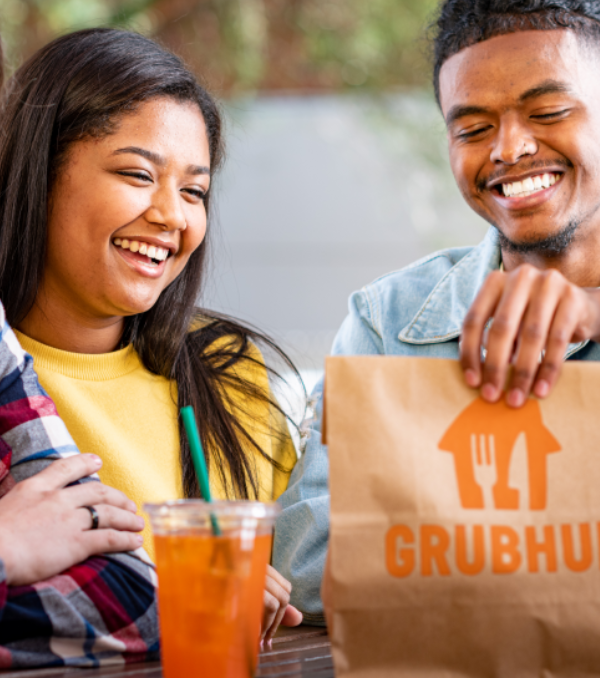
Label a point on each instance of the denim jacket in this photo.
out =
(417, 311)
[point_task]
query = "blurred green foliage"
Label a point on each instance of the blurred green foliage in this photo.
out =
(241, 46)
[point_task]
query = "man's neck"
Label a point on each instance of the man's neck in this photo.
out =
(579, 263)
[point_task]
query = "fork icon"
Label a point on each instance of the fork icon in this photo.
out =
(483, 454)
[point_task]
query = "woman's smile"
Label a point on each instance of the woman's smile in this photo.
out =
(144, 255)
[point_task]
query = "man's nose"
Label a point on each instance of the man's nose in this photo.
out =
(513, 142)
(166, 209)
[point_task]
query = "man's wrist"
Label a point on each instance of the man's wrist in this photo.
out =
(594, 293)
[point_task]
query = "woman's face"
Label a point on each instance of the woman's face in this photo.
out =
(127, 211)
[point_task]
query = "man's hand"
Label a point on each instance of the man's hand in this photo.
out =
(536, 314)
(44, 529)
(277, 608)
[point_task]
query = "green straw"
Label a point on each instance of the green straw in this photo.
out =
(191, 430)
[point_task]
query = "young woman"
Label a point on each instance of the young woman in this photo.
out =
(63, 599)
(109, 152)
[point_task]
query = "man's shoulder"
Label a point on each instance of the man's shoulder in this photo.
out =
(409, 287)
(422, 303)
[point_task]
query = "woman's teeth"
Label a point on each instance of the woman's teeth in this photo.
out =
(529, 186)
(155, 254)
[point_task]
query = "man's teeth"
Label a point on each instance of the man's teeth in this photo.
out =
(152, 252)
(521, 189)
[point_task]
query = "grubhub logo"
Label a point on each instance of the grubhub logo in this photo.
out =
(483, 441)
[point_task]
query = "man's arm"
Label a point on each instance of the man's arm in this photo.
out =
(103, 608)
(302, 530)
(100, 611)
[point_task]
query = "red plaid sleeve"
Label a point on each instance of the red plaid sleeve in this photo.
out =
(100, 611)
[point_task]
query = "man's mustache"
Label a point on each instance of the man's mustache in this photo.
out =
(521, 168)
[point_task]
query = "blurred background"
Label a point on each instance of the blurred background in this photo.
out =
(336, 170)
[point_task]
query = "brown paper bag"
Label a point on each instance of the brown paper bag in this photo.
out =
(465, 537)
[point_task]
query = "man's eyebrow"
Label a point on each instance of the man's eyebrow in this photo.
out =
(546, 87)
(157, 159)
(458, 111)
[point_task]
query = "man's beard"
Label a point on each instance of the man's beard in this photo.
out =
(552, 246)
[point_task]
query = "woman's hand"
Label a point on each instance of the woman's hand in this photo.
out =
(277, 608)
(536, 314)
(44, 529)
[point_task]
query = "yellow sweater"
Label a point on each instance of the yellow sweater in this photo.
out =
(115, 408)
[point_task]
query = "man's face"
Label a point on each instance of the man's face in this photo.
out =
(523, 118)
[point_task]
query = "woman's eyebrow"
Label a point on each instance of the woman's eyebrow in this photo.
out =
(158, 159)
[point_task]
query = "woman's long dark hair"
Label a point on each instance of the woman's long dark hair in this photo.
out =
(78, 87)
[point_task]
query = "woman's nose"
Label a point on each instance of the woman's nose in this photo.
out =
(513, 142)
(166, 209)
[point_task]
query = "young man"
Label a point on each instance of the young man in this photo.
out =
(517, 84)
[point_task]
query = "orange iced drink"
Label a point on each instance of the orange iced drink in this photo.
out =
(210, 588)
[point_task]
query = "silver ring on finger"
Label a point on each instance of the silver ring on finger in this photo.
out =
(95, 517)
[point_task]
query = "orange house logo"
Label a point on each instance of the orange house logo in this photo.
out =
(483, 440)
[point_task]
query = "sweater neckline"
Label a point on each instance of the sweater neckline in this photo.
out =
(88, 366)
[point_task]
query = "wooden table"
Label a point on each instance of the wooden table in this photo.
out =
(304, 651)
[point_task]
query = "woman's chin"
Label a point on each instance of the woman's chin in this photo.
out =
(129, 306)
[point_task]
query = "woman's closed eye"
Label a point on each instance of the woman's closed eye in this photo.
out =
(142, 176)
(197, 193)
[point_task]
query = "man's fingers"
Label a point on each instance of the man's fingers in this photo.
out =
(110, 517)
(559, 335)
(110, 541)
(90, 494)
(474, 325)
(65, 471)
(504, 331)
(533, 335)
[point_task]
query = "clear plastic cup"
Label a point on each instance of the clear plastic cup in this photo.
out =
(210, 587)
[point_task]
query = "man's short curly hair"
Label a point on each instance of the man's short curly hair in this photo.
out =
(462, 23)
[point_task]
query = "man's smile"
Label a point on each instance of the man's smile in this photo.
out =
(522, 188)
(525, 191)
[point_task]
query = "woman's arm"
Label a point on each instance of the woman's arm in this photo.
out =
(302, 529)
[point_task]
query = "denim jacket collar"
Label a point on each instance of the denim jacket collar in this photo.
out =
(441, 317)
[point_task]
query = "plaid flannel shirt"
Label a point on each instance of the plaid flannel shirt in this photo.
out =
(99, 612)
